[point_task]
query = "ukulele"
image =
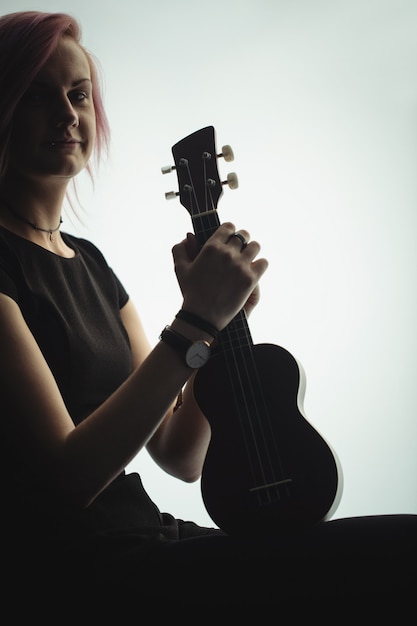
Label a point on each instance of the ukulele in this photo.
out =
(267, 470)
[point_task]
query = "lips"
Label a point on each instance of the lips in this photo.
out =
(63, 142)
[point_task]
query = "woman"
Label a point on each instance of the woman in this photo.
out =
(82, 392)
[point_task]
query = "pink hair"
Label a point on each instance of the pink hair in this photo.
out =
(27, 39)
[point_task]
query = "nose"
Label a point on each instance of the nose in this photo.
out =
(66, 116)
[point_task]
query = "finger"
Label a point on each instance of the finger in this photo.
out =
(241, 236)
(181, 255)
(192, 246)
(259, 267)
(224, 231)
(179, 250)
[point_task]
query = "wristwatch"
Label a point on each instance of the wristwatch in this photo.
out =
(195, 353)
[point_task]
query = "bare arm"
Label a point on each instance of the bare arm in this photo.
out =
(180, 443)
(79, 461)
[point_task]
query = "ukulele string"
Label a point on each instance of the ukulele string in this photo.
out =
(245, 407)
(245, 380)
(243, 369)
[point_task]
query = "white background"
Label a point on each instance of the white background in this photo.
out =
(318, 100)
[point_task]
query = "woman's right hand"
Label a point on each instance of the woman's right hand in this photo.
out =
(218, 280)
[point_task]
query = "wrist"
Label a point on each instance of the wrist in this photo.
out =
(197, 322)
(190, 332)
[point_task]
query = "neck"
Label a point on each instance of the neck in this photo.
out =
(50, 231)
(30, 208)
(34, 225)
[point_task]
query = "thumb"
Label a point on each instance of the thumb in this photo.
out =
(191, 245)
(186, 250)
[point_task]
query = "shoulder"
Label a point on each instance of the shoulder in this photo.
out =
(9, 264)
(95, 260)
(84, 246)
(7, 241)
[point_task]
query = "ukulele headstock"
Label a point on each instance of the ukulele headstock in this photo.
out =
(199, 183)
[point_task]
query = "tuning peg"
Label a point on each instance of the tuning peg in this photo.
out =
(170, 195)
(232, 181)
(167, 169)
(227, 153)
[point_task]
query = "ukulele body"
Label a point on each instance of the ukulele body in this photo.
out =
(267, 470)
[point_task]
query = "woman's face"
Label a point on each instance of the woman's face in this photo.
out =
(54, 125)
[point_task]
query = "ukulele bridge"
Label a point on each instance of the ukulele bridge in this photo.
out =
(269, 485)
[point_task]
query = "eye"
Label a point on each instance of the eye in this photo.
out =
(79, 96)
(34, 96)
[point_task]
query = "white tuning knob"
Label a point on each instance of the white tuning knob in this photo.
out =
(232, 181)
(167, 169)
(170, 195)
(227, 153)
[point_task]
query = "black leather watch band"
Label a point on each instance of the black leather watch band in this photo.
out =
(195, 354)
(175, 340)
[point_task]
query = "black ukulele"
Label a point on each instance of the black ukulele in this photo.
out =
(267, 469)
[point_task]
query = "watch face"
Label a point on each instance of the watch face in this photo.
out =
(198, 354)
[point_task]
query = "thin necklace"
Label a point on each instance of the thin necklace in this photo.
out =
(51, 231)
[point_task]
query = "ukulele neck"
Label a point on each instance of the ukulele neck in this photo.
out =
(236, 335)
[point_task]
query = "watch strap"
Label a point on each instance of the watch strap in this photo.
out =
(175, 340)
(181, 344)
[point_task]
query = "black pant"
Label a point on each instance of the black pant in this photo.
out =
(359, 567)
